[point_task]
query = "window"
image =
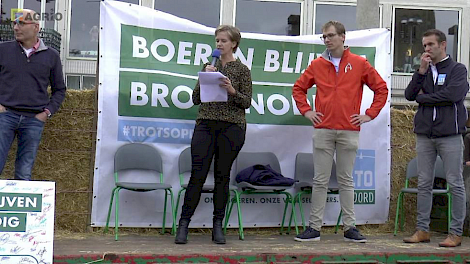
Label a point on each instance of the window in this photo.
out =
(50, 9)
(6, 10)
(346, 14)
(80, 82)
(89, 82)
(33, 5)
(73, 82)
(84, 28)
(205, 12)
(410, 24)
(276, 18)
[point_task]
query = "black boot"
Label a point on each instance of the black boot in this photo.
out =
(182, 232)
(218, 236)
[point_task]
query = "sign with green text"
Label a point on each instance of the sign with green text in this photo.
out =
(159, 70)
(148, 67)
(26, 221)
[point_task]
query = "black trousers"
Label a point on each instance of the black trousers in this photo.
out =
(212, 139)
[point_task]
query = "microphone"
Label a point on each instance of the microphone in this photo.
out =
(215, 56)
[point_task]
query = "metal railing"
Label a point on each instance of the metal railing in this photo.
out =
(50, 37)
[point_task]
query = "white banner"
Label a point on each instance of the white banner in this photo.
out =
(26, 221)
(148, 66)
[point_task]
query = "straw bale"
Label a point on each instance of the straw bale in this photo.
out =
(73, 140)
(66, 156)
(70, 170)
(72, 211)
(73, 222)
(69, 119)
(80, 100)
(403, 150)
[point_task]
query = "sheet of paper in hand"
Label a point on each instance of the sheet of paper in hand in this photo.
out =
(210, 87)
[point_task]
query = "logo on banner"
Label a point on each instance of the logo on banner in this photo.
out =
(364, 177)
(155, 132)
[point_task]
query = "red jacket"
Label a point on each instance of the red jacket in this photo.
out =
(339, 95)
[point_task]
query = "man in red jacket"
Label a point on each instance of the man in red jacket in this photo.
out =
(339, 76)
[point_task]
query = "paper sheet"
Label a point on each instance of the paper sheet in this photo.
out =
(210, 89)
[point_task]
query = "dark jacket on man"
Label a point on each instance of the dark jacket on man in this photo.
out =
(441, 110)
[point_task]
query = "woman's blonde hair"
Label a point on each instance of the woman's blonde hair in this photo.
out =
(232, 32)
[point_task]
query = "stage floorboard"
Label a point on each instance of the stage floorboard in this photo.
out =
(386, 248)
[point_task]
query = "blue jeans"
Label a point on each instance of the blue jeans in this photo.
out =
(29, 131)
(450, 149)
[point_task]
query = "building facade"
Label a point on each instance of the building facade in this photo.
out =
(78, 23)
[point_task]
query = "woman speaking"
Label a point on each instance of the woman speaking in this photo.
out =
(219, 134)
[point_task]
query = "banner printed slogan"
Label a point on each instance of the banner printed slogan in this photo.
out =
(148, 92)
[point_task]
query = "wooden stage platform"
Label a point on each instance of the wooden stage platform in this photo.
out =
(273, 248)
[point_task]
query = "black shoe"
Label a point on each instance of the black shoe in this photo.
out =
(218, 236)
(354, 235)
(309, 234)
(182, 233)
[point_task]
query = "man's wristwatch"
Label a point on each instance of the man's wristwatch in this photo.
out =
(49, 114)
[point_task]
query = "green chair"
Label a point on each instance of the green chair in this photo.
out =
(248, 159)
(412, 172)
(304, 172)
(185, 166)
(138, 157)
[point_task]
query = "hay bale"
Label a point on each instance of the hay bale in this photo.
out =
(67, 140)
(80, 100)
(403, 150)
(66, 156)
(72, 210)
(71, 120)
(69, 170)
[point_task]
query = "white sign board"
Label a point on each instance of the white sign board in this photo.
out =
(26, 221)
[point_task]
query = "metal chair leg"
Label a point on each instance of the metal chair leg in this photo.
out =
(449, 211)
(173, 226)
(302, 215)
(399, 201)
(284, 215)
(116, 213)
(164, 214)
(109, 210)
(241, 235)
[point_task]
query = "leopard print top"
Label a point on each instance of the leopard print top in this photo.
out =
(233, 110)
